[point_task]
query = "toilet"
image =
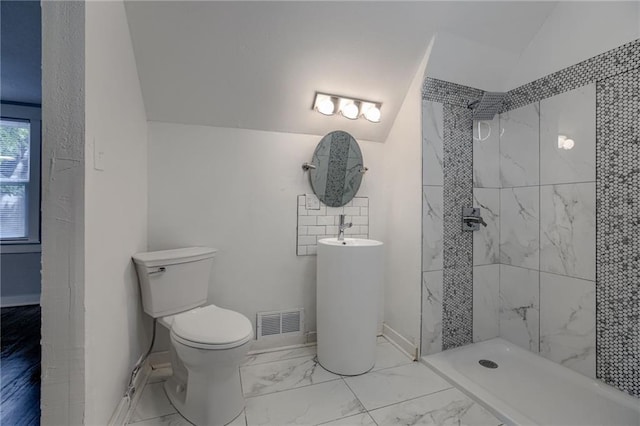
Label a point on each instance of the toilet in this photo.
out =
(208, 343)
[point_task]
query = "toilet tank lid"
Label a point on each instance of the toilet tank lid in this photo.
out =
(172, 257)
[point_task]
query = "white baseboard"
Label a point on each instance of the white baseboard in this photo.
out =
(400, 342)
(281, 341)
(20, 300)
(123, 411)
(312, 337)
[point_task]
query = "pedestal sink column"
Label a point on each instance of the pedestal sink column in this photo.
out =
(350, 275)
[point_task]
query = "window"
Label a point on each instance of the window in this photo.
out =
(19, 175)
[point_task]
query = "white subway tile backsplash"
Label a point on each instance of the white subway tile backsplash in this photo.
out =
(332, 230)
(360, 202)
(326, 220)
(353, 211)
(306, 240)
(307, 220)
(322, 211)
(314, 225)
(335, 211)
(316, 230)
(360, 220)
(352, 231)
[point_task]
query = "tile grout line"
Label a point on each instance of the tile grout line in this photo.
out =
(546, 272)
(358, 399)
(409, 362)
(290, 389)
(451, 386)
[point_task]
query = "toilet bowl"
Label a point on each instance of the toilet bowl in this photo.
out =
(208, 346)
(208, 343)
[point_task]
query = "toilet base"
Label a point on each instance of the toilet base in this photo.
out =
(222, 416)
(205, 387)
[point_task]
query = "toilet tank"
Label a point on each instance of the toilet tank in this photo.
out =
(173, 281)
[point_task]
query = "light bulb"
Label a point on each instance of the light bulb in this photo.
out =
(326, 106)
(569, 143)
(561, 139)
(565, 143)
(373, 114)
(350, 110)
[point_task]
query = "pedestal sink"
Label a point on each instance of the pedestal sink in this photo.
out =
(349, 284)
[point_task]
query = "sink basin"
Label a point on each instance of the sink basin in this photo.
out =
(348, 289)
(350, 242)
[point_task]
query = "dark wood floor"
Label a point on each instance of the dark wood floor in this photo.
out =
(20, 365)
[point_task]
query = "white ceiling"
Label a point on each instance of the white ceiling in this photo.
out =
(257, 65)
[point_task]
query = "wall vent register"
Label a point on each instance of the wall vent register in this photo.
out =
(277, 323)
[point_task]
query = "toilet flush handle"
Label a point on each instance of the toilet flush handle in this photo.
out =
(158, 271)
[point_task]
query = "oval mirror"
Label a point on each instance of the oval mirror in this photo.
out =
(338, 170)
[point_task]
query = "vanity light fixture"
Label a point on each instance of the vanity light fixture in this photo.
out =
(325, 104)
(565, 143)
(350, 108)
(372, 112)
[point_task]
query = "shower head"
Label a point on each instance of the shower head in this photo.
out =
(488, 106)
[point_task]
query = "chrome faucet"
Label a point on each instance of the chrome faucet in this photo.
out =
(342, 226)
(471, 219)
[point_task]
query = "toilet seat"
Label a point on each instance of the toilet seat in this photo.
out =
(210, 327)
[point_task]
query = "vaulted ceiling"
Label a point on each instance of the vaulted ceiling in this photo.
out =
(257, 65)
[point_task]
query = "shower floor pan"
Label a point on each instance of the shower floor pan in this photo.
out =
(527, 389)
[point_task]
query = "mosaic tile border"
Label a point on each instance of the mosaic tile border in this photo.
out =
(457, 286)
(617, 242)
(457, 310)
(597, 68)
(449, 93)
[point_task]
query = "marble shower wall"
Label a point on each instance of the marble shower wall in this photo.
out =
(432, 225)
(539, 202)
(486, 241)
(535, 268)
(447, 266)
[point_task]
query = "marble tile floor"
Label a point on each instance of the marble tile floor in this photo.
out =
(289, 387)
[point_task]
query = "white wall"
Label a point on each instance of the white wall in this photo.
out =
(573, 32)
(115, 209)
(20, 278)
(403, 189)
(467, 62)
(63, 154)
(235, 190)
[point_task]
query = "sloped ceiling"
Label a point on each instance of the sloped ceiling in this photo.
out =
(257, 65)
